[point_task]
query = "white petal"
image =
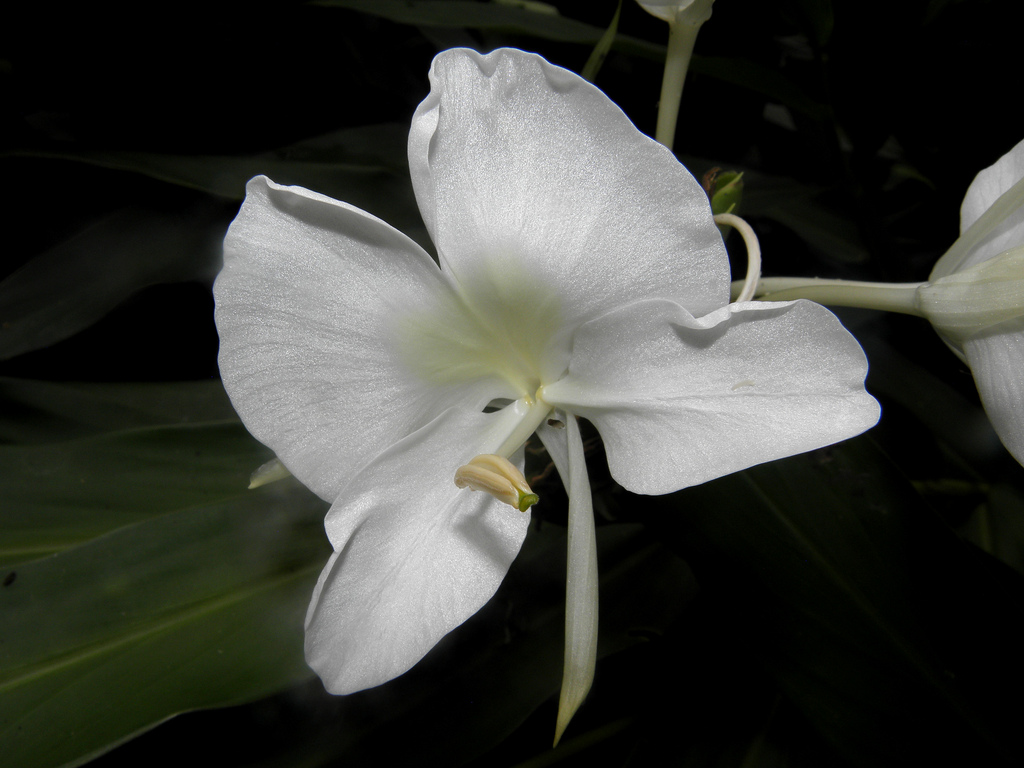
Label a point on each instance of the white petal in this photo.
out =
(996, 358)
(680, 401)
(581, 604)
(1002, 228)
(415, 555)
(534, 184)
(313, 309)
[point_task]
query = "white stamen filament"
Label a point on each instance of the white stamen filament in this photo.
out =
(535, 416)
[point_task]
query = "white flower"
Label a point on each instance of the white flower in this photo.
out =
(581, 274)
(975, 294)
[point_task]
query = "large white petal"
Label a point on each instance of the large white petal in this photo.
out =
(999, 206)
(415, 555)
(329, 320)
(996, 358)
(535, 185)
(565, 447)
(680, 401)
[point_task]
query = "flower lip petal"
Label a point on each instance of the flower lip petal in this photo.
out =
(523, 168)
(415, 557)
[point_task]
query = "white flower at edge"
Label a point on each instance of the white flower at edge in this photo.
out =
(581, 275)
(975, 294)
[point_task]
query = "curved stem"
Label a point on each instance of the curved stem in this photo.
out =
(753, 253)
(889, 297)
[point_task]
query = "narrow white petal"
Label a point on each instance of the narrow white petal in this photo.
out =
(680, 401)
(315, 307)
(581, 604)
(527, 172)
(996, 358)
(415, 556)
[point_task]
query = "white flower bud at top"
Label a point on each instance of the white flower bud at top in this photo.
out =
(499, 477)
(963, 304)
(694, 12)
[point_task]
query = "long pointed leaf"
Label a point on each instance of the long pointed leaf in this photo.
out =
(193, 609)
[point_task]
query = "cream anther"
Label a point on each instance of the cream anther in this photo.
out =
(499, 477)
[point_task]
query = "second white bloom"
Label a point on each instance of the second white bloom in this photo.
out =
(975, 294)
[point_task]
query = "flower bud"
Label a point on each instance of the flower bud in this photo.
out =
(694, 12)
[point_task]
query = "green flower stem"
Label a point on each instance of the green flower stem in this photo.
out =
(681, 37)
(889, 297)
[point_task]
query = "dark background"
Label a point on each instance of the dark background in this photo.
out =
(714, 653)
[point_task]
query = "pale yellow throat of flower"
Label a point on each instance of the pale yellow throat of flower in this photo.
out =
(500, 478)
(496, 326)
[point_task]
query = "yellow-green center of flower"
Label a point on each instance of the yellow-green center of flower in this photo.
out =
(502, 328)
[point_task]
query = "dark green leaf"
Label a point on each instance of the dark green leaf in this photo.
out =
(58, 495)
(41, 411)
(340, 163)
(799, 207)
(197, 608)
(768, 83)
(997, 526)
(600, 52)
(496, 16)
(482, 680)
(69, 287)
